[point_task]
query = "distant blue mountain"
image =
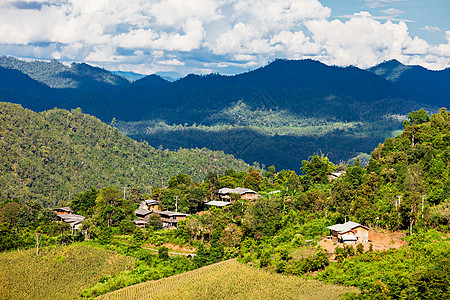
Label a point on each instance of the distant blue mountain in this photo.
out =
(131, 76)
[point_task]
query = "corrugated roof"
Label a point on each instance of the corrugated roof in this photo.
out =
(218, 203)
(71, 218)
(341, 228)
(151, 202)
(224, 191)
(171, 213)
(142, 212)
(65, 208)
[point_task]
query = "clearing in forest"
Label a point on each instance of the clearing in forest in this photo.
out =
(230, 280)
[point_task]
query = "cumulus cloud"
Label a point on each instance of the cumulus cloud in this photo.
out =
(179, 35)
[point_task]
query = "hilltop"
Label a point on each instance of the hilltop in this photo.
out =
(52, 155)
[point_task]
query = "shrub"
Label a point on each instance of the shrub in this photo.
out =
(163, 253)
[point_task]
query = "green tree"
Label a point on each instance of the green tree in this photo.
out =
(163, 253)
(318, 168)
(84, 202)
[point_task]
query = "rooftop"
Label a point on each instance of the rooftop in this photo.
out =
(341, 228)
(151, 202)
(142, 212)
(71, 218)
(169, 213)
(65, 208)
(218, 203)
(224, 191)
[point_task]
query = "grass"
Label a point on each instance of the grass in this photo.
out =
(59, 272)
(230, 280)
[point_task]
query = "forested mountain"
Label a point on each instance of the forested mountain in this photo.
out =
(51, 155)
(292, 109)
(57, 75)
(422, 85)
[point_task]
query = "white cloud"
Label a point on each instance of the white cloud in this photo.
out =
(379, 3)
(431, 28)
(393, 11)
(172, 62)
(160, 35)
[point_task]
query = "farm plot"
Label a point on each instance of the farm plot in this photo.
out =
(230, 280)
(58, 272)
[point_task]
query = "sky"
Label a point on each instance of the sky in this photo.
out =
(225, 36)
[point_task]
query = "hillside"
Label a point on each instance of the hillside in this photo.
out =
(230, 280)
(57, 75)
(293, 109)
(60, 272)
(52, 155)
(420, 84)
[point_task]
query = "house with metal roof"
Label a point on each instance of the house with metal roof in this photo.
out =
(334, 175)
(218, 203)
(151, 205)
(224, 193)
(349, 233)
(72, 219)
(170, 219)
(63, 210)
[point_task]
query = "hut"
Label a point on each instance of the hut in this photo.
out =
(349, 233)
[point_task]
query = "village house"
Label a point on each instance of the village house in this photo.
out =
(65, 214)
(218, 203)
(170, 218)
(349, 233)
(151, 205)
(224, 193)
(62, 210)
(332, 176)
(142, 214)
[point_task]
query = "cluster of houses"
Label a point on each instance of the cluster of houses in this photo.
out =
(169, 219)
(347, 233)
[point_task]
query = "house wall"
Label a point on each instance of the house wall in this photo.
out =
(248, 196)
(362, 234)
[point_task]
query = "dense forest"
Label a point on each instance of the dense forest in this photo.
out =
(294, 108)
(404, 188)
(50, 156)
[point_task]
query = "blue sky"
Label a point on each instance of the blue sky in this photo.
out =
(225, 36)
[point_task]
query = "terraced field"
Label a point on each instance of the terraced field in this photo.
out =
(58, 272)
(229, 280)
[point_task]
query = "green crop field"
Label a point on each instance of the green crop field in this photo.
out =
(230, 280)
(58, 272)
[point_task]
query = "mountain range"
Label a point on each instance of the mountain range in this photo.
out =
(278, 114)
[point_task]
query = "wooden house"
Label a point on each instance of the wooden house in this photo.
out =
(151, 205)
(170, 219)
(224, 193)
(332, 176)
(142, 214)
(62, 210)
(349, 233)
(72, 219)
